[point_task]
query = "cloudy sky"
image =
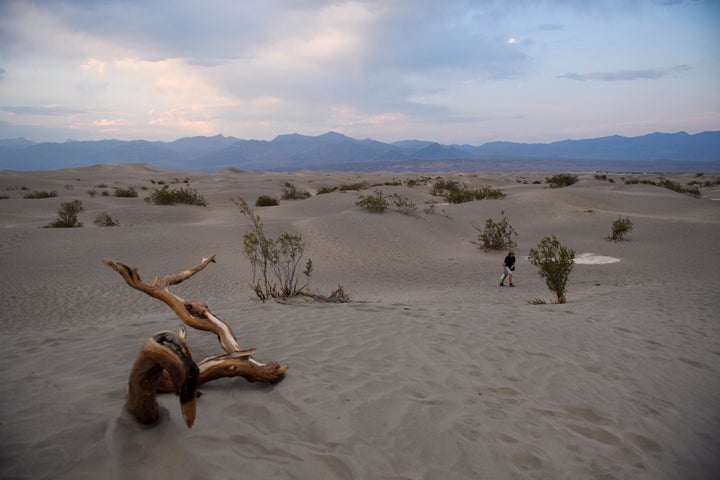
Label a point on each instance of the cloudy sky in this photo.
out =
(451, 71)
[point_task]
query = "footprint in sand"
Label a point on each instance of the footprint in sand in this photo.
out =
(502, 391)
(646, 444)
(598, 434)
(495, 409)
(526, 460)
(588, 415)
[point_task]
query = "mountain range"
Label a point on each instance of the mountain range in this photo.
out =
(333, 151)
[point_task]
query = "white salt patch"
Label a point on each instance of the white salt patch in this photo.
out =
(592, 259)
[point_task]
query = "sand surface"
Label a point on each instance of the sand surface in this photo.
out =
(433, 371)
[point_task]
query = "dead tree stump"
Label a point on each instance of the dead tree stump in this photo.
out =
(165, 363)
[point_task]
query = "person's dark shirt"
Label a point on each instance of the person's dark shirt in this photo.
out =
(509, 261)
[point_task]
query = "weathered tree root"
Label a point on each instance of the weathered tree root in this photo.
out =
(156, 367)
(164, 356)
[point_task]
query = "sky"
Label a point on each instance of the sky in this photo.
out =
(451, 71)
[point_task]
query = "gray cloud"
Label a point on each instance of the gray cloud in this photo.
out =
(619, 75)
(270, 66)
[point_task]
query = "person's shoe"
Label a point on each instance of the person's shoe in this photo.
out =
(502, 284)
(512, 284)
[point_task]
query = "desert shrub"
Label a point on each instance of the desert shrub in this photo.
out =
(354, 186)
(456, 192)
(324, 190)
(339, 295)
(665, 183)
(458, 195)
(275, 261)
(441, 186)
(487, 192)
(105, 220)
(496, 235)
(414, 182)
(374, 202)
(670, 185)
(41, 194)
(403, 204)
(676, 187)
(291, 192)
(92, 192)
(636, 181)
(378, 202)
(185, 195)
(391, 183)
(604, 178)
(4, 196)
(67, 215)
(554, 262)
(266, 201)
(105, 193)
(560, 180)
(620, 228)
(129, 192)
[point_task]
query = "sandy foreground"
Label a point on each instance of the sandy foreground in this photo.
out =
(433, 371)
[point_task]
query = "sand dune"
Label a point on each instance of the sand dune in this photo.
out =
(432, 372)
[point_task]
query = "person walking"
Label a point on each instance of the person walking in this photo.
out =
(508, 269)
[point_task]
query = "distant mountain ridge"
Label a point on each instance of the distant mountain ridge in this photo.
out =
(333, 151)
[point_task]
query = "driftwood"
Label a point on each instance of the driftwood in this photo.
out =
(168, 356)
(160, 362)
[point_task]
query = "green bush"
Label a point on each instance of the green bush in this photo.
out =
(67, 215)
(44, 194)
(403, 204)
(185, 195)
(291, 192)
(266, 201)
(391, 183)
(676, 187)
(692, 188)
(414, 182)
(620, 228)
(275, 261)
(354, 186)
(375, 202)
(324, 190)
(496, 235)
(129, 192)
(554, 262)
(561, 180)
(456, 192)
(105, 220)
